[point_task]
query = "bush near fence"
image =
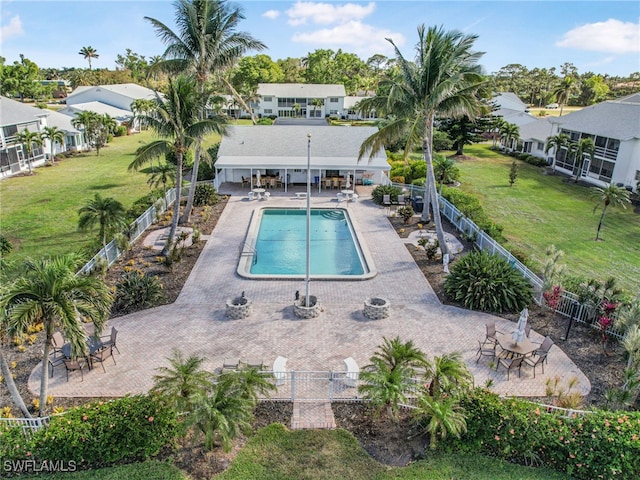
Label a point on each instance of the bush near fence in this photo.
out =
(599, 444)
(97, 434)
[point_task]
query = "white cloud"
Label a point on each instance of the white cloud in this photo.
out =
(612, 36)
(328, 13)
(353, 37)
(13, 28)
(272, 14)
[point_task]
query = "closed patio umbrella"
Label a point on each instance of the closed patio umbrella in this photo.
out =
(348, 184)
(520, 332)
(258, 179)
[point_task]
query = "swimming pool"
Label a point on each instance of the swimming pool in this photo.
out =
(275, 246)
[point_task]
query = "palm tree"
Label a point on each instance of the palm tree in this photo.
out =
(28, 139)
(316, 103)
(397, 354)
(448, 375)
(445, 416)
(443, 79)
(508, 133)
(296, 108)
(88, 53)
(443, 169)
(7, 374)
(557, 142)
(164, 173)
(88, 122)
(564, 90)
(177, 121)
(54, 135)
(107, 212)
(206, 43)
(611, 195)
(50, 292)
(585, 146)
(182, 380)
(497, 125)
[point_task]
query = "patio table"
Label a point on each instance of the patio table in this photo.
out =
(523, 348)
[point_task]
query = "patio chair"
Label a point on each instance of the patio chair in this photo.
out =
(55, 360)
(546, 345)
(74, 364)
(230, 364)
(250, 196)
(340, 197)
(327, 183)
(485, 351)
(245, 182)
(256, 363)
(491, 333)
(110, 340)
(101, 355)
(511, 364)
(535, 361)
(57, 341)
(386, 201)
(354, 197)
(336, 183)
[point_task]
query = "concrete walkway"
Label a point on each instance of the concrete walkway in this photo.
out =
(196, 322)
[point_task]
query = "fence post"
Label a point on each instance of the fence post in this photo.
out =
(293, 385)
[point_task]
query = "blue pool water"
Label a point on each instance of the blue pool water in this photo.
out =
(281, 244)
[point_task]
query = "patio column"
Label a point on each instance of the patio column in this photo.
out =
(285, 181)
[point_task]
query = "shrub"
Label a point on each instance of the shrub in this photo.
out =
(381, 190)
(5, 245)
(121, 131)
(601, 444)
(397, 179)
(98, 434)
(406, 213)
(137, 291)
(205, 195)
(480, 281)
(470, 207)
(265, 121)
(141, 204)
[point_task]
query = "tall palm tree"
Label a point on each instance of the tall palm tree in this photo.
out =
(50, 292)
(508, 133)
(88, 121)
(557, 142)
(182, 380)
(88, 53)
(611, 195)
(564, 90)
(163, 174)
(443, 79)
(497, 124)
(106, 212)
(28, 140)
(177, 121)
(584, 146)
(54, 135)
(206, 43)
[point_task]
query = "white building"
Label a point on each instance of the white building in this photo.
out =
(300, 100)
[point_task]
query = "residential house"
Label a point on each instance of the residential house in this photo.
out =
(74, 138)
(280, 152)
(533, 137)
(300, 100)
(16, 117)
(351, 111)
(614, 126)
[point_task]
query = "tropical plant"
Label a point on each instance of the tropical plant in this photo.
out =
(564, 90)
(508, 133)
(107, 213)
(137, 291)
(610, 195)
(177, 120)
(206, 43)
(448, 376)
(557, 142)
(205, 195)
(443, 416)
(405, 212)
(443, 79)
(182, 380)
(97, 128)
(513, 173)
(54, 135)
(28, 140)
(445, 170)
(577, 151)
(5, 245)
(50, 292)
(485, 282)
(88, 53)
(378, 193)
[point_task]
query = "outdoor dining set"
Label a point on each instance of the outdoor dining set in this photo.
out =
(99, 349)
(512, 351)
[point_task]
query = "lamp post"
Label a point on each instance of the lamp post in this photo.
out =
(308, 246)
(574, 311)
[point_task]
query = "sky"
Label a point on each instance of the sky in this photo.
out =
(596, 36)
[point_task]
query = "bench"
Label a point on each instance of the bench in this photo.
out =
(280, 370)
(301, 195)
(353, 372)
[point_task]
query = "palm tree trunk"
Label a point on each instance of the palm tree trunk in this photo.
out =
(431, 184)
(240, 100)
(44, 380)
(600, 222)
(186, 215)
(176, 207)
(11, 385)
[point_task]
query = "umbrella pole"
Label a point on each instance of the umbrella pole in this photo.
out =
(308, 246)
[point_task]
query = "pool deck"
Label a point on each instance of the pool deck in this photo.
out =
(196, 322)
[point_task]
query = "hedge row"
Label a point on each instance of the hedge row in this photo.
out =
(97, 434)
(471, 207)
(602, 444)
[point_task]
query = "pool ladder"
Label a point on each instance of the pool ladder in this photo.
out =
(248, 250)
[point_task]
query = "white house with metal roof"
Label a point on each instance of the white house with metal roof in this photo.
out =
(306, 100)
(533, 136)
(614, 127)
(280, 151)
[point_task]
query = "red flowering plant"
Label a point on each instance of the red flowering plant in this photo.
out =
(552, 297)
(605, 322)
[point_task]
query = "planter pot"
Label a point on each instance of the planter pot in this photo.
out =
(376, 308)
(303, 311)
(239, 307)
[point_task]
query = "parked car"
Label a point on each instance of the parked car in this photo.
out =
(552, 106)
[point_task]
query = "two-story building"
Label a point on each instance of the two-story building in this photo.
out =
(300, 100)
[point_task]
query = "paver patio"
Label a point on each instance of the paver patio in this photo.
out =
(196, 322)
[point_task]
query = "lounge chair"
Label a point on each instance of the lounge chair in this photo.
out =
(230, 364)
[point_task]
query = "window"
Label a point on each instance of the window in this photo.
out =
(333, 99)
(333, 112)
(268, 111)
(540, 146)
(267, 99)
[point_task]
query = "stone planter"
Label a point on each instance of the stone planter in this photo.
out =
(239, 307)
(302, 311)
(376, 308)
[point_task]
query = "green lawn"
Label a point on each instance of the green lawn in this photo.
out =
(540, 210)
(40, 212)
(276, 453)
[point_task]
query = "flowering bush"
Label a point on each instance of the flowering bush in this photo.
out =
(552, 297)
(601, 444)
